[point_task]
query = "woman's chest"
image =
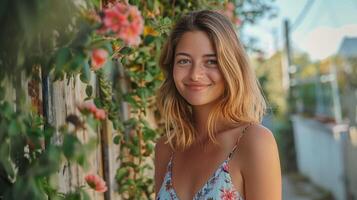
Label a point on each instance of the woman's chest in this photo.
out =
(205, 174)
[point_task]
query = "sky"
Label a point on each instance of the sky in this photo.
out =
(319, 34)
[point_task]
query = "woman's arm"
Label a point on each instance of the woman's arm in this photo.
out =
(162, 157)
(261, 166)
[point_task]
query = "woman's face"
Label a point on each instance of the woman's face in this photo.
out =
(196, 72)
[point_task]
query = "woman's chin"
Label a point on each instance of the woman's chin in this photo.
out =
(198, 102)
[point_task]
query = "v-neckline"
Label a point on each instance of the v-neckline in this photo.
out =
(215, 174)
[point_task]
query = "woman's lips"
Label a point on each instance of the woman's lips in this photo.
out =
(196, 87)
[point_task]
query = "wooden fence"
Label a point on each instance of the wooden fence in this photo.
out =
(55, 100)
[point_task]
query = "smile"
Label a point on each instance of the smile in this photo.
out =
(196, 87)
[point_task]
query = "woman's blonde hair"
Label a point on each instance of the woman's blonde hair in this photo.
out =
(242, 100)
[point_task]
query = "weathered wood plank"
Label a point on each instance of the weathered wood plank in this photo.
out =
(63, 98)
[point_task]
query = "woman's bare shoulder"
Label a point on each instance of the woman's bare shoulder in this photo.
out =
(257, 136)
(163, 152)
(260, 163)
(256, 144)
(163, 148)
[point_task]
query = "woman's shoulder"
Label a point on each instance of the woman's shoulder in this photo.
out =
(163, 152)
(162, 147)
(259, 163)
(258, 133)
(257, 144)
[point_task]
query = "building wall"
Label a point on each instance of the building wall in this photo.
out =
(320, 154)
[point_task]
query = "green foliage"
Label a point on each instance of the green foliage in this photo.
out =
(26, 166)
(31, 26)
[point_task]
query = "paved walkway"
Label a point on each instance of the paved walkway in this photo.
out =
(296, 187)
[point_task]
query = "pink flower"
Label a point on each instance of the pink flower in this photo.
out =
(90, 107)
(228, 194)
(87, 106)
(135, 28)
(115, 17)
(100, 114)
(129, 35)
(125, 21)
(96, 183)
(99, 57)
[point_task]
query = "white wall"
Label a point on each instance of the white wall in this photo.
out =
(320, 154)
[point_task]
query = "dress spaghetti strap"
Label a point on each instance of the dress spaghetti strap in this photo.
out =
(237, 142)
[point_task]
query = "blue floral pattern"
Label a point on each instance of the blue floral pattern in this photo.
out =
(218, 187)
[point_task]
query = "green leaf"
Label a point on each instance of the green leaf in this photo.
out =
(70, 143)
(85, 73)
(89, 90)
(77, 63)
(48, 132)
(166, 20)
(134, 150)
(82, 160)
(148, 133)
(13, 128)
(121, 173)
(62, 57)
(128, 98)
(116, 139)
(126, 51)
(98, 102)
(131, 122)
(143, 93)
(149, 39)
(148, 77)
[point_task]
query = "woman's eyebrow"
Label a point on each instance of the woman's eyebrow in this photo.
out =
(210, 55)
(186, 54)
(182, 54)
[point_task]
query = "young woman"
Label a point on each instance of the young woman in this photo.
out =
(215, 147)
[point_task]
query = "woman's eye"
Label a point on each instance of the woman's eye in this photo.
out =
(212, 63)
(183, 61)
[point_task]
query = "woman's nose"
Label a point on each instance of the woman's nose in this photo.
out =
(197, 72)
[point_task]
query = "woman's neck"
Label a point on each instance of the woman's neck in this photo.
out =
(200, 117)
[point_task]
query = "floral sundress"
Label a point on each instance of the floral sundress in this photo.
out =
(218, 187)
